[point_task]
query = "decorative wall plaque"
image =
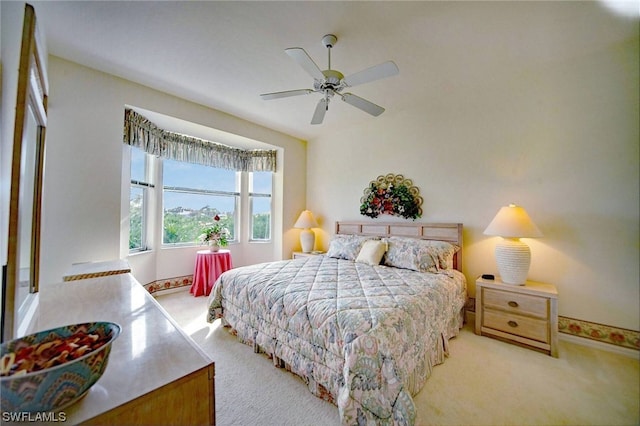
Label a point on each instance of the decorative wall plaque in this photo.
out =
(391, 194)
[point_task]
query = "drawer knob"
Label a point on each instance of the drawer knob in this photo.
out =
(513, 304)
(512, 324)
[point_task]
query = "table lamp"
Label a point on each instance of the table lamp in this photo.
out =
(513, 257)
(307, 237)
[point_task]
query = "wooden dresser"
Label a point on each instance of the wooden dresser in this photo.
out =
(156, 374)
(523, 314)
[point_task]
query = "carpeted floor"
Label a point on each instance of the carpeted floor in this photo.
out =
(482, 382)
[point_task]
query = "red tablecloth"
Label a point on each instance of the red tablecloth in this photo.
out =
(209, 266)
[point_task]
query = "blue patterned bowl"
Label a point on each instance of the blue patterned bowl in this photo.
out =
(59, 386)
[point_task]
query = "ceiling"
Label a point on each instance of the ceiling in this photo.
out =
(225, 54)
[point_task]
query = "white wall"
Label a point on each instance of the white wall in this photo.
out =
(562, 141)
(83, 174)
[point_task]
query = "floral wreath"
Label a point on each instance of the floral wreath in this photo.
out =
(391, 194)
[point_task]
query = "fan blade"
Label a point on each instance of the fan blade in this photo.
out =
(363, 104)
(299, 55)
(376, 72)
(321, 109)
(285, 94)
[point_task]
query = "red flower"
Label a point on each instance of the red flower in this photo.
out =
(574, 328)
(617, 337)
(595, 333)
(216, 218)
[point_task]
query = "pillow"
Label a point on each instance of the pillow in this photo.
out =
(419, 255)
(405, 253)
(371, 252)
(345, 246)
(446, 252)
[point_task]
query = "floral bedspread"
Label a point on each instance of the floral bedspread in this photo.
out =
(364, 337)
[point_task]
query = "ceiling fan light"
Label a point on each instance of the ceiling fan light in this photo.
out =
(331, 82)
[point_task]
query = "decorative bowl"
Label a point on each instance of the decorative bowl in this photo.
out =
(42, 386)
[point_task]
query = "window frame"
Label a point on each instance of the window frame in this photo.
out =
(237, 194)
(147, 186)
(252, 195)
(152, 214)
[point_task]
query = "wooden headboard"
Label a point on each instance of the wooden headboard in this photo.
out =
(450, 232)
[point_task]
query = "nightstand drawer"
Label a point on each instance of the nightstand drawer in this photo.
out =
(516, 303)
(530, 328)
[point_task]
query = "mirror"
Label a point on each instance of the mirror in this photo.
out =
(21, 274)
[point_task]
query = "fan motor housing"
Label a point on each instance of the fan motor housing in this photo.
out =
(332, 80)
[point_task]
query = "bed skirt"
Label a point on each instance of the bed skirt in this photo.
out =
(307, 370)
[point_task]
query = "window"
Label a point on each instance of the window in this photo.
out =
(260, 188)
(141, 184)
(192, 196)
(195, 181)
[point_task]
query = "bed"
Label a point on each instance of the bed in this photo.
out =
(363, 331)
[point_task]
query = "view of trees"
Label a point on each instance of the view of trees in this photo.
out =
(186, 187)
(135, 220)
(182, 225)
(261, 226)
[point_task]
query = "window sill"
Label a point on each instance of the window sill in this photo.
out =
(139, 252)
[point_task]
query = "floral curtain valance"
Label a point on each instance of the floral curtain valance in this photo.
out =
(143, 134)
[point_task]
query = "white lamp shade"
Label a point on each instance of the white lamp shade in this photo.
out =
(513, 257)
(513, 222)
(306, 220)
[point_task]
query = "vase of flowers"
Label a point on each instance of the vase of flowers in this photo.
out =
(216, 235)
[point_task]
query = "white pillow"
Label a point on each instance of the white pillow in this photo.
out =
(371, 252)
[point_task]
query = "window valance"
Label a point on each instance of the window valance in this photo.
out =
(143, 134)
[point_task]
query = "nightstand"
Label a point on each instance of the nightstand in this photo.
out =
(299, 254)
(522, 314)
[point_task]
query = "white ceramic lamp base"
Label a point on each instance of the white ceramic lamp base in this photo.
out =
(307, 240)
(513, 258)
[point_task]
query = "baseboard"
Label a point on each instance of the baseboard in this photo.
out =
(169, 284)
(601, 333)
(632, 353)
(470, 318)
(169, 291)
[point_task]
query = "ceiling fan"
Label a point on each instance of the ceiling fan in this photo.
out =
(332, 82)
